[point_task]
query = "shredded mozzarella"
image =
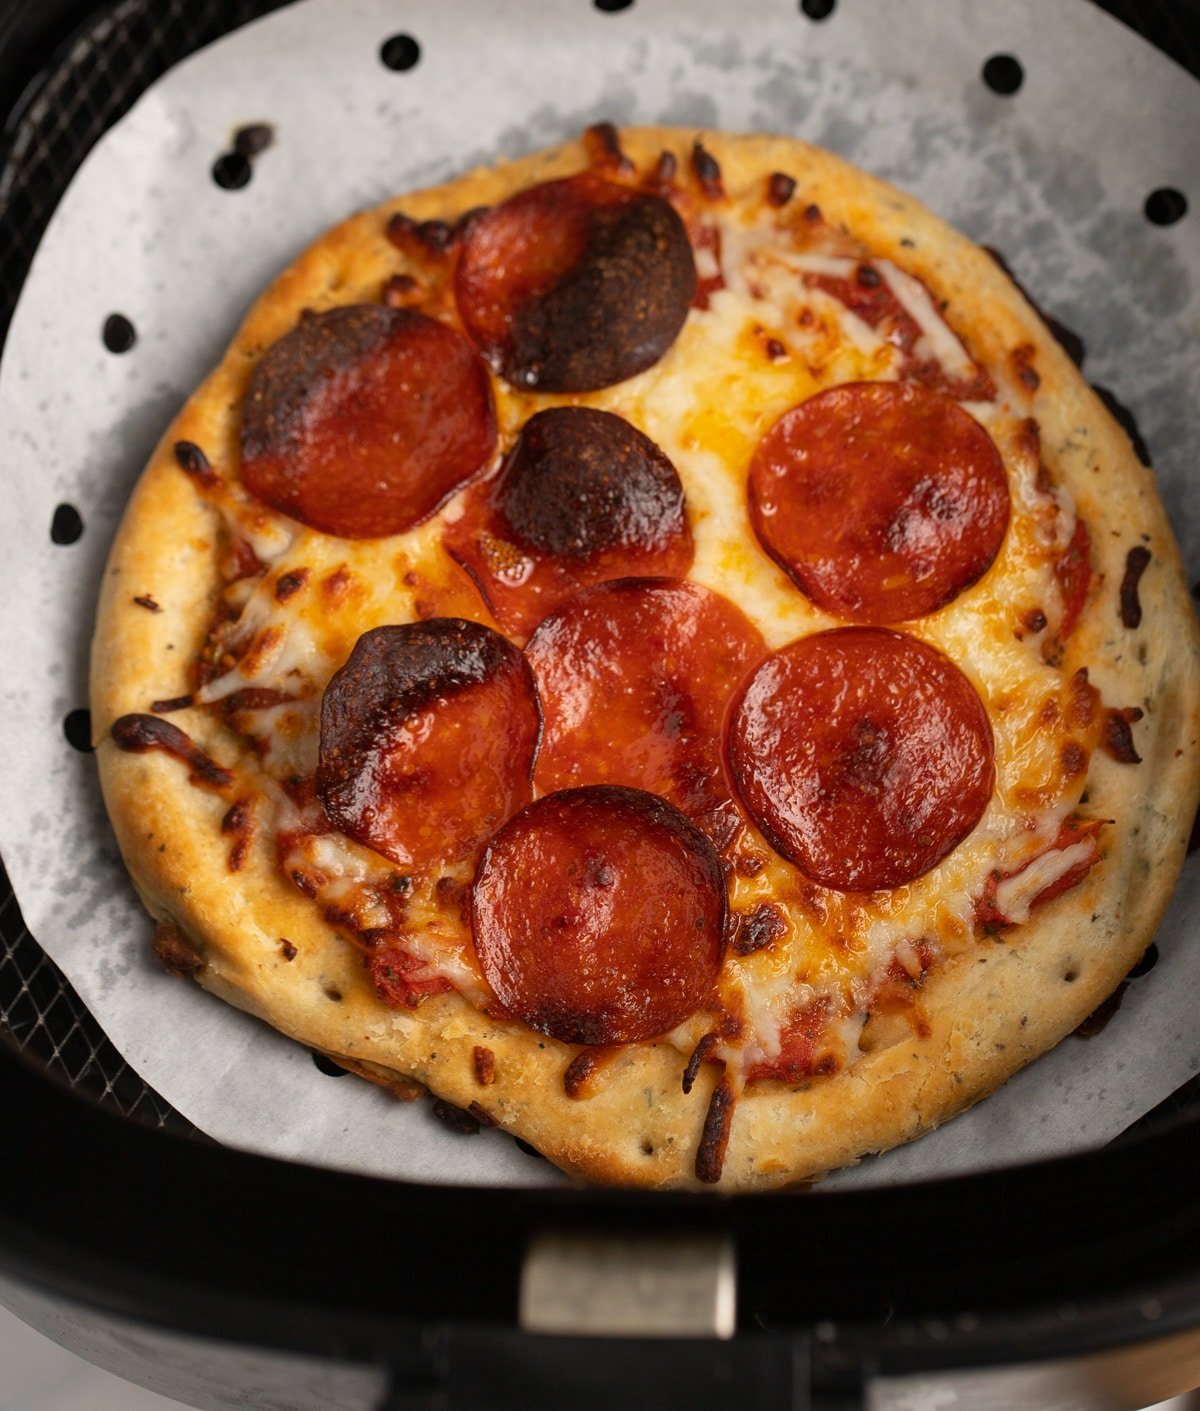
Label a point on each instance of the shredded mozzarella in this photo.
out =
(1015, 896)
(941, 343)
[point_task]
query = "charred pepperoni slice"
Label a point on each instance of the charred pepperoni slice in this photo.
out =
(428, 736)
(599, 916)
(583, 497)
(881, 500)
(576, 284)
(362, 420)
(864, 756)
(634, 678)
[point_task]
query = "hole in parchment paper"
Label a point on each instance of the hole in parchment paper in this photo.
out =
(610, 7)
(1165, 206)
(231, 171)
(400, 52)
(67, 525)
(1003, 74)
(118, 333)
(329, 1067)
(77, 727)
(818, 9)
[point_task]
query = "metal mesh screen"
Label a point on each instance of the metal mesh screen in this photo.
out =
(95, 77)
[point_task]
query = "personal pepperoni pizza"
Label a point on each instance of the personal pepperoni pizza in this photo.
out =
(657, 645)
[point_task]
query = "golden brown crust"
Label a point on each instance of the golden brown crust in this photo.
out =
(988, 1011)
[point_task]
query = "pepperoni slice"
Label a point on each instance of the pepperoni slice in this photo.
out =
(864, 756)
(362, 420)
(634, 677)
(428, 736)
(599, 916)
(576, 284)
(881, 500)
(583, 497)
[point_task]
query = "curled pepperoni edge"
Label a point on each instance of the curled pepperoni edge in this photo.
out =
(880, 606)
(295, 366)
(595, 1029)
(610, 317)
(879, 881)
(344, 716)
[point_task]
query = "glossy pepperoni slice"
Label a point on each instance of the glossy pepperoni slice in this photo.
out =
(634, 678)
(864, 756)
(599, 916)
(583, 497)
(364, 419)
(428, 736)
(881, 500)
(576, 284)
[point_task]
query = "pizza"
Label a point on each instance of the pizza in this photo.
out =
(658, 646)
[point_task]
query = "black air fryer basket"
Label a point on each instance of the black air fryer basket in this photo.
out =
(233, 1280)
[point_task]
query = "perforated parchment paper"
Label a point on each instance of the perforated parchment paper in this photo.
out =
(1054, 175)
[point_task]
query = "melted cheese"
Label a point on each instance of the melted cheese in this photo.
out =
(707, 403)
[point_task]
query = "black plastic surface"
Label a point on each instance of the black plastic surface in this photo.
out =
(113, 1214)
(1041, 1260)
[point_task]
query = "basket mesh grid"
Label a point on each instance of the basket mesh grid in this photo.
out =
(94, 79)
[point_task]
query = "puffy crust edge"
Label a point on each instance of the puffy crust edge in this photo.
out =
(989, 1012)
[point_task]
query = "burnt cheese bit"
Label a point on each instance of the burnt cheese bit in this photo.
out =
(481, 1114)
(662, 177)
(1136, 562)
(780, 188)
(580, 1071)
(714, 1140)
(425, 237)
(179, 957)
(1022, 361)
(1117, 739)
(580, 480)
(603, 145)
(699, 1055)
(708, 172)
(758, 928)
(238, 823)
(289, 584)
(400, 290)
(485, 1065)
(136, 734)
(455, 1118)
(190, 458)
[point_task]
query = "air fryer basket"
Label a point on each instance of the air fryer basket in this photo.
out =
(133, 1263)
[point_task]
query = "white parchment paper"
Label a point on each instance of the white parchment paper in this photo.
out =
(1054, 176)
